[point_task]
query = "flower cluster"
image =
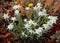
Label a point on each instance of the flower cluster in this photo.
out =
(31, 20)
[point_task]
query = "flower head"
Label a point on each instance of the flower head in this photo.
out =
(30, 4)
(46, 26)
(30, 22)
(13, 19)
(27, 8)
(16, 12)
(15, 7)
(5, 16)
(27, 26)
(10, 26)
(44, 10)
(39, 31)
(41, 13)
(35, 8)
(25, 20)
(39, 5)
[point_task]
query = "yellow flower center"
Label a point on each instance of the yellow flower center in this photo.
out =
(30, 4)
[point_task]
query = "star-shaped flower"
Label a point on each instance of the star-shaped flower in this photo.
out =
(13, 19)
(5, 16)
(15, 7)
(10, 26)
(16, 12)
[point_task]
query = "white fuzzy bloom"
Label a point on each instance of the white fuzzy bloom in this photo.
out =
(30, 22)
(15, 7)
(27, 26)
(35, 24)
(39, 4)
(39, 30)
(31, 31)
(44, 10)
(35, 8)
(46, 26)
(25, 20)
(16, 12)
(23, 33)
(50, 22)
(27, 8)
(10, 26)
(5, 16)
(13, 19)
(41, 13)
(52, 17)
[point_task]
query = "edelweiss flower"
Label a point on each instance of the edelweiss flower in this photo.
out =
(25, 20)
(52, 17)
(15, 7)
(16, 12)
(35, 8)
(39, 31)
(39, 4)
(27, 26)
(50, 22)
(30, 22)
(46, 26)
(31, 31)
(23, 33)
(27, 8)
(13, 19)
(44, 10)
(41, 13)
(35, 24)
(10, 26)
(5, 16)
